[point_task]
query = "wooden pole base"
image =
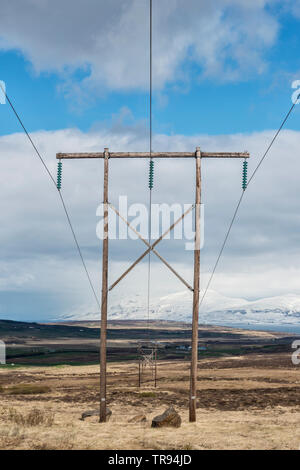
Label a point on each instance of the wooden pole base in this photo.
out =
(194, 359)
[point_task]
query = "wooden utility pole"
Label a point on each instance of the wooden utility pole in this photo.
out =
(194, 361)
(198, 155)
(104, 294)
(155, 367)
(139, 372)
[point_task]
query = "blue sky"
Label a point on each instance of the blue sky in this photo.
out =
(222, 79)
(189, 106)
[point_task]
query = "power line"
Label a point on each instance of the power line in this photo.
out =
(150, 152)
(241, 199)
(60, 195)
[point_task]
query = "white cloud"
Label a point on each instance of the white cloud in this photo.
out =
(291, 5)
(37, 250)
(109, 41)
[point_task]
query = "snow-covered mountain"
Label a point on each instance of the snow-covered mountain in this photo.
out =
(216, 309)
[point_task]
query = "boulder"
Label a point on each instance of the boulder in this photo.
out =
(169, 418)
(88, 413)
(138, 419)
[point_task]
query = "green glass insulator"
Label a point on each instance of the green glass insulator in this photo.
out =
(151, 174)
(245, 175)
(59, 175)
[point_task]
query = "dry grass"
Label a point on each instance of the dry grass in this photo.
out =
(11, 437)
(15, 424)
(147, 394)
(214, 430)
(34, 417)
(27, 421)
(25, 389)
(62, 442)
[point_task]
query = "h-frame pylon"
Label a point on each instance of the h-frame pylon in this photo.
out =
(106, 155)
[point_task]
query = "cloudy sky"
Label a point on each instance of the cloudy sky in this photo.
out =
(78, 74)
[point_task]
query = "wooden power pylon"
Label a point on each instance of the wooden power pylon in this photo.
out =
(106, 155)
(147, 358)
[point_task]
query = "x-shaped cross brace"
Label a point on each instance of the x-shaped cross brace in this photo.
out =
(151, 247)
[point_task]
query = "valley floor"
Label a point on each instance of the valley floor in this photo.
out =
(246, 402)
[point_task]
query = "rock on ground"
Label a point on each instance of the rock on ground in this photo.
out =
(169, 418)
(88, 413)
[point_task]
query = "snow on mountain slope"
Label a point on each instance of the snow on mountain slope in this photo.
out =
(277, 310)
(216, 309)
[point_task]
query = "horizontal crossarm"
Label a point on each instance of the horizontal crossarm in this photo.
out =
(151, 248)
(121, 155)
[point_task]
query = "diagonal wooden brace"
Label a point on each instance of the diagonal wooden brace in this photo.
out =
(151, 247)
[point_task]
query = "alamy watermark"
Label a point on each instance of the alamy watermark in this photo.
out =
(2, 352)
(296, 95)
(296, 353)
(2, 92)
(163, 217)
